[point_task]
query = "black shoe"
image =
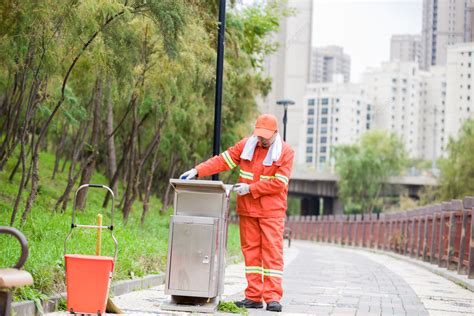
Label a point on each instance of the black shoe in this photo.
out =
(248, 304)
(274, 307)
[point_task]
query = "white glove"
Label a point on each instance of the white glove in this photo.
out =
(188, 175)
(242, 188)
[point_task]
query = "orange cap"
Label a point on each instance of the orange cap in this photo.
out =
(265, 126)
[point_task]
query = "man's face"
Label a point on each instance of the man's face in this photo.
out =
(267, 142)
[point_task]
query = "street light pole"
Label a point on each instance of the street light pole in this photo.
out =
(285, 103)
(219, 75)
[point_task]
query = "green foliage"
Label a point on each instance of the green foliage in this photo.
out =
(155, 57)
(294, 206)
(30, 293)
(251, 27)
(62, 304)
(363, 168)
(457, 169)
(428, 195)
(230, 307)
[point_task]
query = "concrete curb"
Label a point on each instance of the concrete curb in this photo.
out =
(28, 308)
(452, 276)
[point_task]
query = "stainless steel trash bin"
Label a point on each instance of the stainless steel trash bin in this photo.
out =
(197, 245)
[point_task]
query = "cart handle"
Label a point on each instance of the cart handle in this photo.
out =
(23, 242)
(110, 227)
(100, 186)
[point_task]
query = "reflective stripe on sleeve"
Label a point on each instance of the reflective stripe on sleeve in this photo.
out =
(282, 178)
(228, 160)
(246, 175)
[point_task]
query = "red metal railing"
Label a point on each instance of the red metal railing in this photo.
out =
(442, 234)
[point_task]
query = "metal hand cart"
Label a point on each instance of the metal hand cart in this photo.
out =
(88, 277)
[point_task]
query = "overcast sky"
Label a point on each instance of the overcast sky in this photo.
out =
(364, 27)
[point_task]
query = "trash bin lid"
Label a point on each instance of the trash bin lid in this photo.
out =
(198, 185)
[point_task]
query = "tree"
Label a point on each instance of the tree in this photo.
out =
(125, 88)
(364, 167)
(457, 170)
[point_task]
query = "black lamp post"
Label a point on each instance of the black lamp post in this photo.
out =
(219, 74)
(285, 103)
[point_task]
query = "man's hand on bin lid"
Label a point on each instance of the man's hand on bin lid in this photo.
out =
(242, 188)
(188, 175)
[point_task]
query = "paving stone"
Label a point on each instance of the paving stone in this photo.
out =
(368, 314)
(375, 309)
(344, 311)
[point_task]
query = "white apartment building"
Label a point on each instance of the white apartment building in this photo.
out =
(405, 48)
(394, 90)
(445, 22)
(336, 113)
(470, 25)
(433, 109)
(289, 69)
(460, 88)
(329, 61)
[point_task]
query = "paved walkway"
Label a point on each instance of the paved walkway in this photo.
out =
(329, 280)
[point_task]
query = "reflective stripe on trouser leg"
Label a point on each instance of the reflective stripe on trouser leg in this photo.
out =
(272, 255)
(250, 240)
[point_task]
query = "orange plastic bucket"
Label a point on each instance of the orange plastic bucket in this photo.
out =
(88, 281)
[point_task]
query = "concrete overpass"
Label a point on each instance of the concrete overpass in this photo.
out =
(315, 188)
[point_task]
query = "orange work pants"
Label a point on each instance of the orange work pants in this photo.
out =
(262, 245)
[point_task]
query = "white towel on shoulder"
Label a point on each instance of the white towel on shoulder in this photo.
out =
(273, 154)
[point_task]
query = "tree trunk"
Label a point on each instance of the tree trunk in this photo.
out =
(127, 202)
(32, 104)
(12, 137)
(17, 165)
(34, 187)
(148, 185)
(92, 157)
(152, 146)
(166, 196)
(22, 182)
(78, 145)
(59, 150)
(114, 180)
(63, 167)
(111, 156)
(122, 165)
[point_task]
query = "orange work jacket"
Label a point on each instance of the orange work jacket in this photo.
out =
(268, 184)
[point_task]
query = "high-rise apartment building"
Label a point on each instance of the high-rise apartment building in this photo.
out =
(424, 108)
(405, 48)
(394, 90)
(329, 61)
(460, 88)
(433, 111)
(445, 22)
(336, 113)
(289, 69)
(470, 10)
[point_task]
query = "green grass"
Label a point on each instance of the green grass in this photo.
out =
(142, 249)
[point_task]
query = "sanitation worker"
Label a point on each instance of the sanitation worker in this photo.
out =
(265, 163)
